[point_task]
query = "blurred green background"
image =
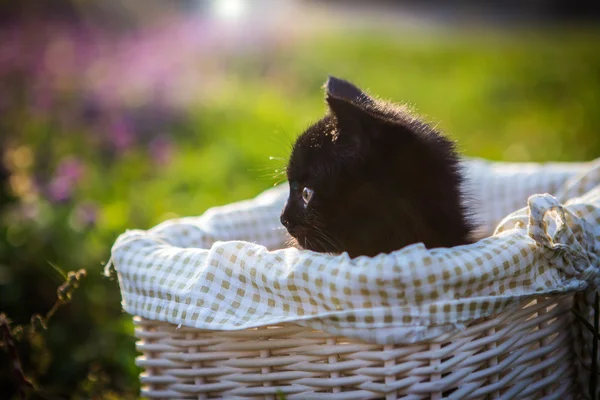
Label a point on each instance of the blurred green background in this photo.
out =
(118, 117)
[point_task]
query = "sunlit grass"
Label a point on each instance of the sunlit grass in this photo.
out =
(507, 100)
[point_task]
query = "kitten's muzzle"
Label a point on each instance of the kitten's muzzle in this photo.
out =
(291, 227)
(284, 221)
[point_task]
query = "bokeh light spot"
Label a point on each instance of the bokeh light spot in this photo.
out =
(229, 9)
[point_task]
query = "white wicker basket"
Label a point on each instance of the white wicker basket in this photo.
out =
(525, 354)
(489, 320)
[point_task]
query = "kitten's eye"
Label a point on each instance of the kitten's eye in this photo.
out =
(307, 195)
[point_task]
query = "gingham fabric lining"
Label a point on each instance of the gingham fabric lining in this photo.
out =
(216, 272)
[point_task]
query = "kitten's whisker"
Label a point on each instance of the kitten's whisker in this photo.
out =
(283, 139)
(336, 245)
(320, 243)
(292, 242)
(323, 242)
(262, 168)
(327, 238)
(311, 244)
(269, 171)
(271, 176)
(323, 233)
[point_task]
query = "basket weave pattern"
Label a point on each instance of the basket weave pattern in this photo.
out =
(523, 353)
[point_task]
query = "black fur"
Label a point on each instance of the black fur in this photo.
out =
(382, 179)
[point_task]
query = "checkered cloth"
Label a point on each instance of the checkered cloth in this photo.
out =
(222, 270)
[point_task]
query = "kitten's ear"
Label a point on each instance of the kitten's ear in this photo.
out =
(349, 105)
(340, 91)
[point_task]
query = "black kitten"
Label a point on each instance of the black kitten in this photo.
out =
(371, 178)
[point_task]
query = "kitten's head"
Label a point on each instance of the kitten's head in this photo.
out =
(370, 177)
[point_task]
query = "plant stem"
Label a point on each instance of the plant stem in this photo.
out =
(51, 312)
(16, 367)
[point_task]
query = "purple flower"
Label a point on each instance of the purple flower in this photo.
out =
(69, 173)
(71, 168)
(60, 189)
(121, 134)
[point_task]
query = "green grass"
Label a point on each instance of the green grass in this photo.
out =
(516, 99)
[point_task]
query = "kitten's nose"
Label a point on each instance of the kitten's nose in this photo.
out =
(284, 221)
